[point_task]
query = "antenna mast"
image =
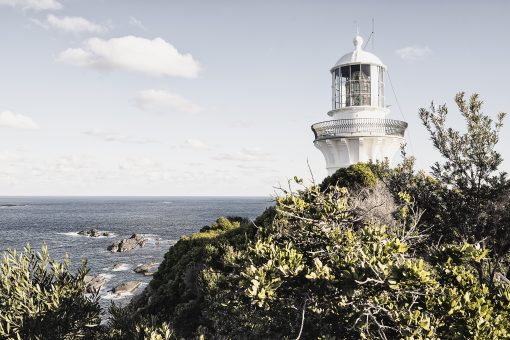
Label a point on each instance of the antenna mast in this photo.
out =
(371, 36)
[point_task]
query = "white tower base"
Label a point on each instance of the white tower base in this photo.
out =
(342, 152)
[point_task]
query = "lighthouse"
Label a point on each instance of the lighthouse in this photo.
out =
(358, 130)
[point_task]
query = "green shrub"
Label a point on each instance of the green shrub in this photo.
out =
(356, 175)
(312, 270)
(176, 291)
(41, 299)
(314, 273)
(125, 324)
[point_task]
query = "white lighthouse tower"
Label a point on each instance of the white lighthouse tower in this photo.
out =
(359, 130)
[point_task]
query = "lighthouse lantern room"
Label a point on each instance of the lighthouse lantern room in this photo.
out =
(359, 130)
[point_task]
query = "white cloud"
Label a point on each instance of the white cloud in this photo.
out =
(144, 164)
(195, 144)
(150, 57)
(16, 120)
(37, 5)
(74, 24)
(72, 163)
(414, 53)
(256, 168)
(146, 169)
(254, 154)
(109, 136)
(164, 101)
(137, 23)
(39, 23)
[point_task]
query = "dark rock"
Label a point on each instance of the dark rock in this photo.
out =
(136, 240)
(93, 233)
(126, 287)
(93, 283)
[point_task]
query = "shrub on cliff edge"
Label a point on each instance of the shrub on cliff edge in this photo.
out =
(41, 299)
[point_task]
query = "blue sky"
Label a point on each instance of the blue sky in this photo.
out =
(218, 96)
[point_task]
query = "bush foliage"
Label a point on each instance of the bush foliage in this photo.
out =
(315, 272)
(359, 175)
(41, 299)
(372, 252)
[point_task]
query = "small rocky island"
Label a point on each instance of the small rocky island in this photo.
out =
(136, 240)
(94, 233)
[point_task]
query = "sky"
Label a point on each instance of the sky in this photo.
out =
(216, 98)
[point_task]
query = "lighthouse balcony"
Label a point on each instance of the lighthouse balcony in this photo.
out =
(360, 127)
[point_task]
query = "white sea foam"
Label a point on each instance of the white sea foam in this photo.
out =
(122, 267)
(71, 233)
(156, 239)
(115, 296)
(107, 277)
(109, 236)
(75, 233)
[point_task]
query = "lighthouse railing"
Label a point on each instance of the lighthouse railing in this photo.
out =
(359, 127)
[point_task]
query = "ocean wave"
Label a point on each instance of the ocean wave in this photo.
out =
(115, 296)
(107, 277)
(159, 241)
(75, 234)
(71, 233)
(157, 238)
(122, 267)
(150, 236)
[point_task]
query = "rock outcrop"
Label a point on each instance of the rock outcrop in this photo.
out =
(136, 240)
(146, 269)
(94, 283)
(94, 233)
(126, 287)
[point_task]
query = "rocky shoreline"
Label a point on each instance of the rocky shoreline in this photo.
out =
(95, 283)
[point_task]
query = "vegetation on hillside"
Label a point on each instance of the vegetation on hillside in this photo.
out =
(41, 299)
(372, 252)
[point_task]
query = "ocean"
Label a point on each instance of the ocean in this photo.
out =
(162, 220)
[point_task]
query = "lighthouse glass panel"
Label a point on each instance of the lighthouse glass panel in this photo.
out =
(381, 86)
(336, 87)
(351, 86)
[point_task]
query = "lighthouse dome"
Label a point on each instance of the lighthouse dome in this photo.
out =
(359, 55)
